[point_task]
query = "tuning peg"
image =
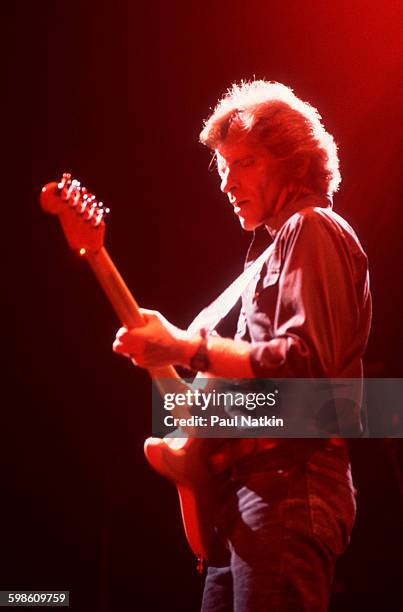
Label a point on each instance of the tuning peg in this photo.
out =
(75, 196)
(105, 210)
(87, 200)
(78, 194)
(64, 181)
(82, 207)
(89, 197)
(101, 213)
(74, 188)
(70, 189)
(92, 211)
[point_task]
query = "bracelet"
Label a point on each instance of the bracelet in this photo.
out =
(200, 361)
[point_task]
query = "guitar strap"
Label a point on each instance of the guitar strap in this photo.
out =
(210, 316)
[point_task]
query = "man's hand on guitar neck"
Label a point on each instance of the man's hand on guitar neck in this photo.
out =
(159, 343)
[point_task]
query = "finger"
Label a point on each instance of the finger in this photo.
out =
(149, 315)
(117, 347)
(147, 311)
(121, 332)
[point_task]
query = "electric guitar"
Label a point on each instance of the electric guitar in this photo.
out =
(182, 460)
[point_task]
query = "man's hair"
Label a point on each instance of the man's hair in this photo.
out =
(292, 130)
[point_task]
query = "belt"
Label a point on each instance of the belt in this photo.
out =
(234, 451)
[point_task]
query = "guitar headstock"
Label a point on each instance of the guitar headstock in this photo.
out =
(80, 214)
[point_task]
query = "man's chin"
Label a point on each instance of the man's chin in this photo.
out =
(247, 224)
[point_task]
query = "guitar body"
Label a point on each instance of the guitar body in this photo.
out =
(184, 462)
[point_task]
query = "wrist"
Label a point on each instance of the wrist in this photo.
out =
(194, 351)
(188, 346)
(200, 361)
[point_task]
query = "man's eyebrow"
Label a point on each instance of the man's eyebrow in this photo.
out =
(237, 160)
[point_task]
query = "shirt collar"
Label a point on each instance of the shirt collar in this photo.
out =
(274, 224)
(263, 234)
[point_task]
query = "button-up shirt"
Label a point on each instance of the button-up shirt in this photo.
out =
(308, 312)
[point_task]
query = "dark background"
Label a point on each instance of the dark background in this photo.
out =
(115, 92)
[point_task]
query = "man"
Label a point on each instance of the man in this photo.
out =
(289, 507)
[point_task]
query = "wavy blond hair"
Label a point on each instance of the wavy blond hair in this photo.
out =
(292, 130)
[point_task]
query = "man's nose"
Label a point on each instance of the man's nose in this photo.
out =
(229, 182)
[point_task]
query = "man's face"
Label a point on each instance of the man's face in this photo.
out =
(253, 180)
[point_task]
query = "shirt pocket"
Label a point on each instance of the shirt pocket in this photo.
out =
(242, 332)
(267, 281)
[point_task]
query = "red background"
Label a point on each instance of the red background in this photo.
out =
(115, 93)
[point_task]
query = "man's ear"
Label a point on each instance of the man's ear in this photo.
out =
(302, 168)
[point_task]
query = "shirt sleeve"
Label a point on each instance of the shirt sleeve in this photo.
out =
(317, 321)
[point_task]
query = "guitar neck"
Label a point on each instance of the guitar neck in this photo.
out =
(81, 218)
(122, 301)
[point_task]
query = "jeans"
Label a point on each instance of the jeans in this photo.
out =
(286, 517)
